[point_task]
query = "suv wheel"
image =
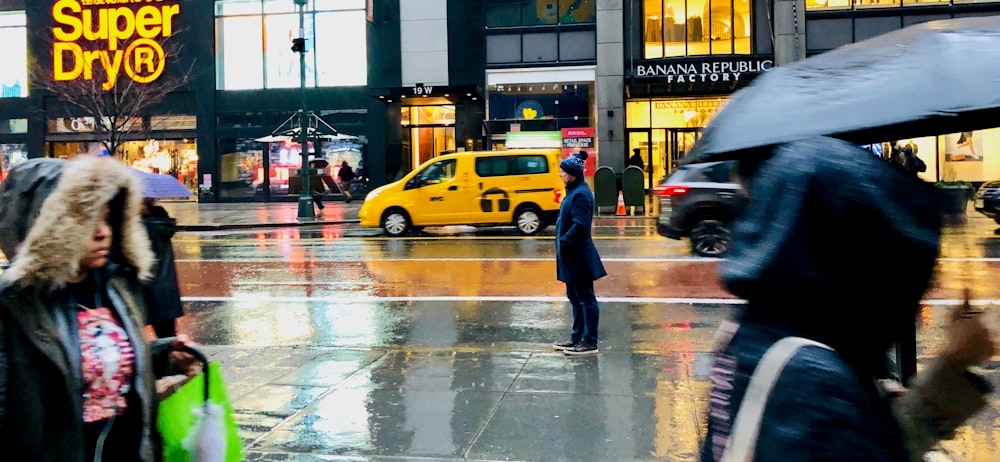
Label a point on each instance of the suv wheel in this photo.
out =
(395, 222)
(710, 238)
(528, 221)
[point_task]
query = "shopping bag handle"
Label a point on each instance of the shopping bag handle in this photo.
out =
(201, 358)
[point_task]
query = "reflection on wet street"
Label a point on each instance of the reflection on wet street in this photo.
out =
(339, 344)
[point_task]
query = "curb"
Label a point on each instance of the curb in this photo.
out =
(225, 227)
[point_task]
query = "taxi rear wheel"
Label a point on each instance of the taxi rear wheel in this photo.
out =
(528, 221)
(395, 222)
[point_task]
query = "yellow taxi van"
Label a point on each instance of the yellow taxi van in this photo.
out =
(488, 188)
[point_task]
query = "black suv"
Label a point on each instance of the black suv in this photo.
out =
(700, 201)
(987, 200)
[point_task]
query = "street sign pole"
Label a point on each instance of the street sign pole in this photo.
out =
(306, 210)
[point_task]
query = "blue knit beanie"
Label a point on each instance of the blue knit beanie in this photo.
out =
(574, 163)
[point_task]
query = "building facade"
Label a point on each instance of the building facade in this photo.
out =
(408, 80)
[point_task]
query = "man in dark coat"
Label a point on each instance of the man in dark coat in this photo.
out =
(577, 262)
(836, 247)
(345, 175)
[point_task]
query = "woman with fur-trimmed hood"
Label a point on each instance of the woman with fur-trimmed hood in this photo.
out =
(76, 373)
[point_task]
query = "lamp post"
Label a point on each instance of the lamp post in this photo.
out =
(299, 45)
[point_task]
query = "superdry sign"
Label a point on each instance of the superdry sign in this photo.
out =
(120, 37)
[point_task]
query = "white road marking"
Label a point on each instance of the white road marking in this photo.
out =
(348, 298)
(236, 260)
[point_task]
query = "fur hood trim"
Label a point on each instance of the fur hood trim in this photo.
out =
(51, 252)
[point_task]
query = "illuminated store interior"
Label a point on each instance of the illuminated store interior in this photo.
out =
(677, 28)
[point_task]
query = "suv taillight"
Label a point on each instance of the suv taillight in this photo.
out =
(558, 195)
(667, 191)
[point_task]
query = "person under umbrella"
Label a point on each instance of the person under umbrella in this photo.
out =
(162, 292)
(832, 255)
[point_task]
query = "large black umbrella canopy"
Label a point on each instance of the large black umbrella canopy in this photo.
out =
(929, 79)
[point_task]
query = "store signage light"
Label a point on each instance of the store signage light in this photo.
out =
(691, 72)
(120, 39)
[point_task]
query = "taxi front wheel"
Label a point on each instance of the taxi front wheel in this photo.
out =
(395, 222)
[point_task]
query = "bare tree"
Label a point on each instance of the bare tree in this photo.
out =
(115, 100)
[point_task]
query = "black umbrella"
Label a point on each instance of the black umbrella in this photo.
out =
(933, 78)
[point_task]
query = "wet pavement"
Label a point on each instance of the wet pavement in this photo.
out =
(340, 344)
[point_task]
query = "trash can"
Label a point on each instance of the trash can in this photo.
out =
(633, 191)
(605, 190)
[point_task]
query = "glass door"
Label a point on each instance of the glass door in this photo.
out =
(638, 143)
(682, 139)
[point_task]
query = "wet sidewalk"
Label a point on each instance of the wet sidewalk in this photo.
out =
(192, 216)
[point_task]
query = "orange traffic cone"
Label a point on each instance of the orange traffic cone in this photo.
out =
(621, 205)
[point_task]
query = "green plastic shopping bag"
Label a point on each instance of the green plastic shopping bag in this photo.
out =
(195, 432)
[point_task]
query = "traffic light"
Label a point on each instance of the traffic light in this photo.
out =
(299, 45)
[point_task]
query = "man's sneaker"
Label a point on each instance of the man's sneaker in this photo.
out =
(581, 349)
(563, 346)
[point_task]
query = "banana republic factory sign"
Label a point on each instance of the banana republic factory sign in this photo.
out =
(704, 72)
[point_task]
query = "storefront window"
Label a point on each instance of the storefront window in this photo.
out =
(859, 4)
(241, 168)
(254, 44)
(11, 155)
(969, 156)
(676, 28)
(513, 13)
(9, 126)
(337, 152)
(672, 113)
(282, 159)
(177, 158)
(14, 71)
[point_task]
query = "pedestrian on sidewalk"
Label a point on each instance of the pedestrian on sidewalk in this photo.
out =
(76, 372)
(577, 261)
(346, 174)
(324, 184)
(833, 255)
(162, 292)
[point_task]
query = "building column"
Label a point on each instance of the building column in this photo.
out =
(610, 85)
(789, 31)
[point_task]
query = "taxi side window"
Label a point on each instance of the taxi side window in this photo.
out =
(436, 173)
(511, 165)
(531, 165)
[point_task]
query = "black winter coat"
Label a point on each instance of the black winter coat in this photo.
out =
(162, 292)
(41, 388)
(836, 246)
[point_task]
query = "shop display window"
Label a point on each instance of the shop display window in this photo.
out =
(174, 122)
(861, 4)
(253, 40)
(677, 28)
(568, 104)
(11, 155)
(177, 158)
(14, 71)
(13, 126)
(241, 172)
(283, 158)
(514, 13)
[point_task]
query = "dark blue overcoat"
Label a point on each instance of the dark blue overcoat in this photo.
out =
(576, 256)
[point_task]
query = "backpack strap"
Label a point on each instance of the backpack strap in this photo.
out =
(743, 440)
